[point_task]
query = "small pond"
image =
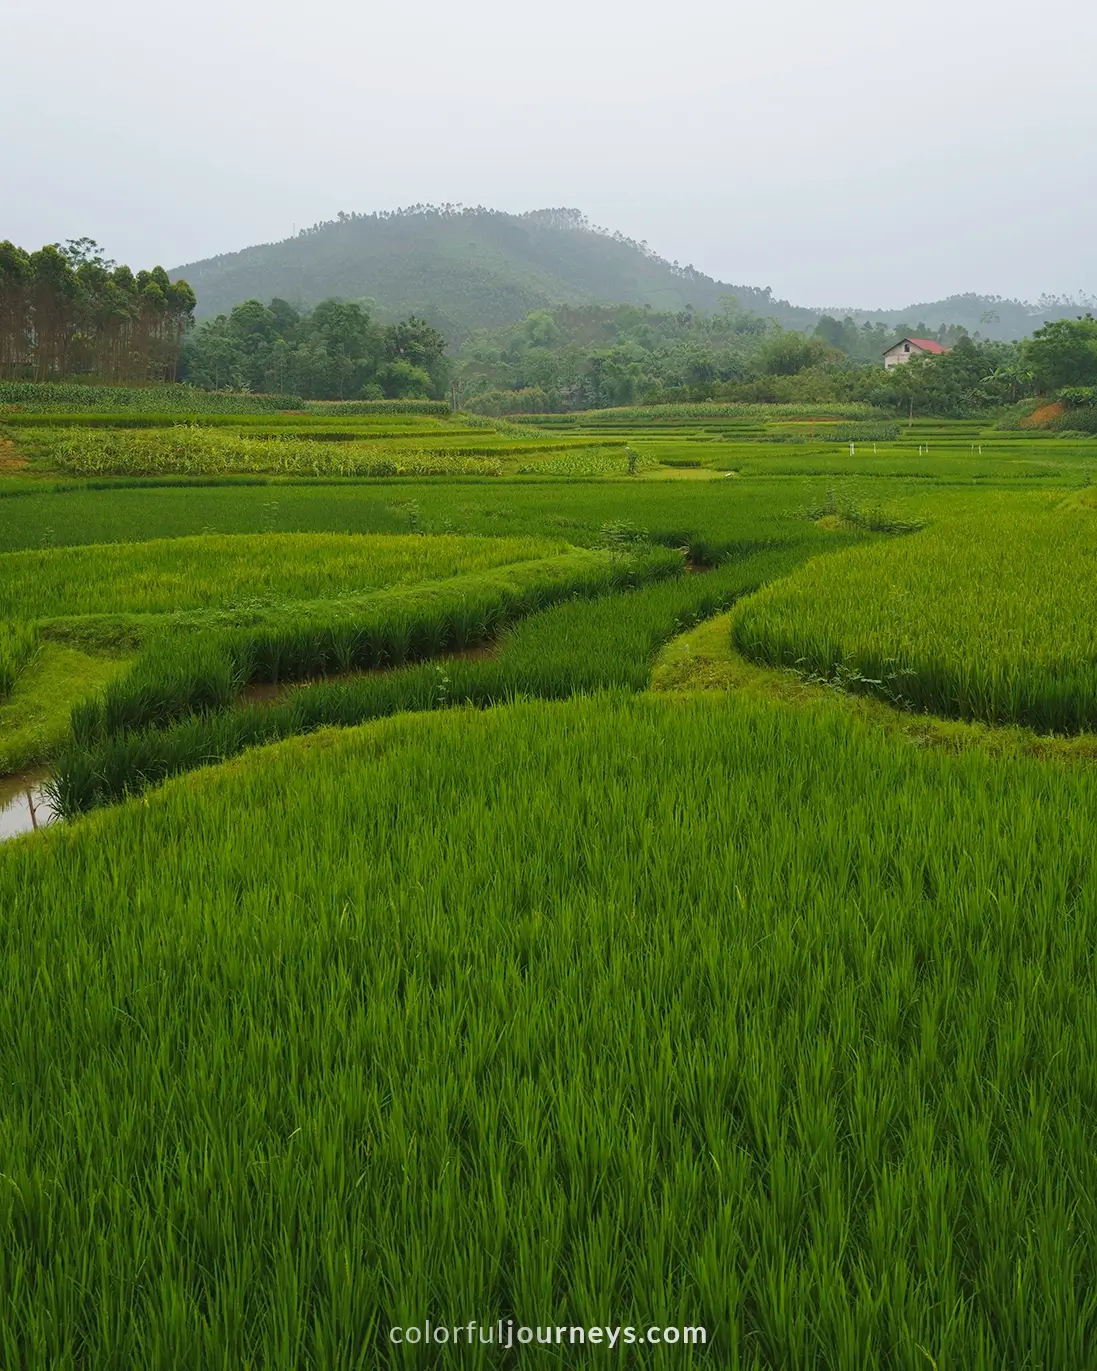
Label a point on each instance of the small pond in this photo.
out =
(23, 804)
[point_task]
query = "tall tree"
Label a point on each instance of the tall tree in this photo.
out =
(67, 310)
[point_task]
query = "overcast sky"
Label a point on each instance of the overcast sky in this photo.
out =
(863, 152)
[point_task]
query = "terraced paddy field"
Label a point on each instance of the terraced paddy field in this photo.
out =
(653, 897)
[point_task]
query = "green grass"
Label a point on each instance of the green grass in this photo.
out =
(761, 1023)
(639, 416)
(985, 617)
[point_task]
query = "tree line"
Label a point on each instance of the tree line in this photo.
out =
(595, 357)
(67, 311)
(333, 352)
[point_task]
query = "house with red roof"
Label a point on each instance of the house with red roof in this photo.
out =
(906, 348)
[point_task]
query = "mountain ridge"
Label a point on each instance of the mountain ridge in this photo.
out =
(464, 269)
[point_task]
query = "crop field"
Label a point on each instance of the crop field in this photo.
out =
(215, 571)
(631, 869)
(988, 618)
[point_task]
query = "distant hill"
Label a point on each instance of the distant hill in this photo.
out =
(991, 316)
(468, 269)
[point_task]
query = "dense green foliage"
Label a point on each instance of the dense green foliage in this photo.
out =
(761, 1022)
(1064, 354)
(592, 357)
(868, 340)
(986, 617)
(67, 310)
(972, 378)
(334, 352)
(595, 357)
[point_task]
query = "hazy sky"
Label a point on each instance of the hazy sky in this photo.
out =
(869, 152)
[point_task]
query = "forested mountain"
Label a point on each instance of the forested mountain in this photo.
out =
(467, 269)
(464, 270)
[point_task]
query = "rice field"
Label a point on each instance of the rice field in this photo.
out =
(806, 1063)
(217, 571)
(149, 729)
(985, 618)
(202, 667)
(473, 974)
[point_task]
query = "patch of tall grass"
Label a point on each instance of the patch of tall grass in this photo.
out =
(986, 617)
(197, 450)
(639, 1010)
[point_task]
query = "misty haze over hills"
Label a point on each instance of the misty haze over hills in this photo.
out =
(464, 269)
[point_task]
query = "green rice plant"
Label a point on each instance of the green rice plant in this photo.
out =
(873, 518)
(614, 1010)
(880, 431)
(986, 617)
(261, 423)
(244, 573)
(720, 516)
(196, 450)
(176, 675)
(19, 643)
(582, 644)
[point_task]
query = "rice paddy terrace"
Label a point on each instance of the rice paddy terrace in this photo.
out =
(626, 869)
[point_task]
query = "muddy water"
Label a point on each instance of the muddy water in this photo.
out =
(23, 804)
